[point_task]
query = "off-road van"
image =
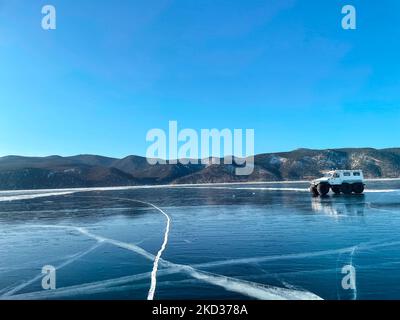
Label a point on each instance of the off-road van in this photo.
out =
(339, 181)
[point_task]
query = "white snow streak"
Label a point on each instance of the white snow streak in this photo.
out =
(33, 196)
(355, 281)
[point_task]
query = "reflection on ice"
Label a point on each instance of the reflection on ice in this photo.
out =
(339, 206)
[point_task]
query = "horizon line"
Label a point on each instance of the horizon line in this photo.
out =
(220, 157)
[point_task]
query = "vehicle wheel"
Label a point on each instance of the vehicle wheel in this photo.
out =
(358, 188)
(323, 189)
(336, 189)
(314, 191)
(346, 188)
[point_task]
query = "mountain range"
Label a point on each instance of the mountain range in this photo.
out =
(17, 172)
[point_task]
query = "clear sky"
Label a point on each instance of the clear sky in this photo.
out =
(115, 69)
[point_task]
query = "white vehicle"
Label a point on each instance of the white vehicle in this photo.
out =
(340, 181)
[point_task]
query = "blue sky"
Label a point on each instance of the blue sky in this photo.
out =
(115, 69)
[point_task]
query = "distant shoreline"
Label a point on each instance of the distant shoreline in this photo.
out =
(116, 188)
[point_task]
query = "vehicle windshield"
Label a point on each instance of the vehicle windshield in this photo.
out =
(328, 175)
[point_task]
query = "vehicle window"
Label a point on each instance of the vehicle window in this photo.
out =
(346, 174)
(357, 174)
(336, 175)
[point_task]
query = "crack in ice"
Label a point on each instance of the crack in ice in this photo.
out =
(153, 284)
(248, 288)
(251, 289)
(62, 265)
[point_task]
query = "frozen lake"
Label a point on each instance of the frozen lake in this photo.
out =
(261, 241)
